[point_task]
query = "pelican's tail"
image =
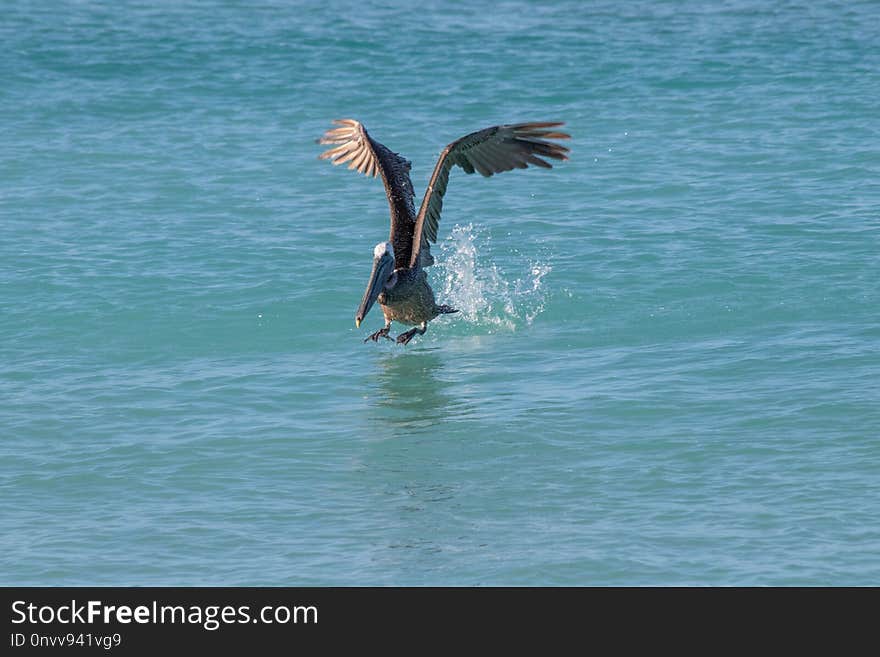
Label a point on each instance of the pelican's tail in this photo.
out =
(446, 310)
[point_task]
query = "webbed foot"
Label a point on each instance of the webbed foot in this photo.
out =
(404, 338)
(381, 333)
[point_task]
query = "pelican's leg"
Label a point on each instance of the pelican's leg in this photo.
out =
(404, 338)
(381, 333)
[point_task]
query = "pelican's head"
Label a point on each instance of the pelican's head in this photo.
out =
(383, 277)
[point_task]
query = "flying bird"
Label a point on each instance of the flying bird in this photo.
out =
(398, 280)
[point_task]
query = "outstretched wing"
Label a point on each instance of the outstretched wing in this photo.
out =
(353, 144)
(493, 150)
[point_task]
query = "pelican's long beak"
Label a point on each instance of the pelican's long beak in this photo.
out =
(383, 267)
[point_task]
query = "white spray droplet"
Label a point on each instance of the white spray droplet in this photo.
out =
(484, 294)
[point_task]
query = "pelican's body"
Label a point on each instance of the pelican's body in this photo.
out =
(411, 301)
(398, 280)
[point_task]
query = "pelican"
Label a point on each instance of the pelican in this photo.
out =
(398, 280)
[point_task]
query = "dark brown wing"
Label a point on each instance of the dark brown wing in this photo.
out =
(489, 151)
(353, 144)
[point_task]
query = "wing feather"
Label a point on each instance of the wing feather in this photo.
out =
(352, 143)
(490, 151)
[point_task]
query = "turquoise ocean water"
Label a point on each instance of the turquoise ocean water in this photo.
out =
(666, 369)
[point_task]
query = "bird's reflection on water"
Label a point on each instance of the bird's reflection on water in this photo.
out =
(411, 392)
(412, 481)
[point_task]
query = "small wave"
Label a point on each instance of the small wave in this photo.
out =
(484, 294)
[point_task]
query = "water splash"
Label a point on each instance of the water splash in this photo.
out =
(484, 294)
